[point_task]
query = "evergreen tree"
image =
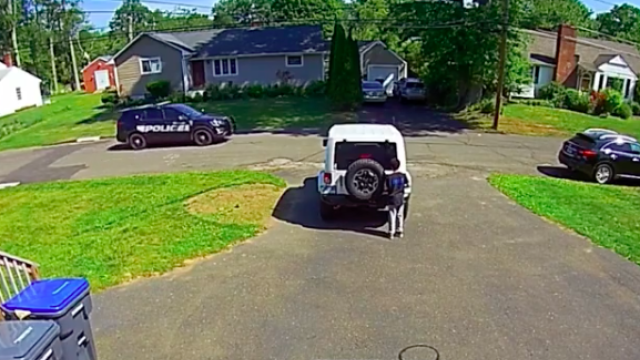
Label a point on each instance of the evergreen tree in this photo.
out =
(338, 65)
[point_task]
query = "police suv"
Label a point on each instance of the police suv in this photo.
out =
(171, 123)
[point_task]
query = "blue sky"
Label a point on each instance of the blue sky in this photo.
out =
(102, 20)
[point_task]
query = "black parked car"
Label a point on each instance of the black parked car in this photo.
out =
(171, 123)
(603, 155)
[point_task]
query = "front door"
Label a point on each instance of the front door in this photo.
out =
(102, 79)
(197, 73)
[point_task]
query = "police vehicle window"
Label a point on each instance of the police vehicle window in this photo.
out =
(187, 110)
(346, 153)
(131, 115)
(171, 114)
(635, 148)
(152, 114)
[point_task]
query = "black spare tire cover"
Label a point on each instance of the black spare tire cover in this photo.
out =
(365, 179)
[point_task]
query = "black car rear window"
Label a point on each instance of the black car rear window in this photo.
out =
(583, 140)
(346, 153)
(415, 85)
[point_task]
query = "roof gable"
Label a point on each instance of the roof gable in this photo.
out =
(16, 71)
(592, 52)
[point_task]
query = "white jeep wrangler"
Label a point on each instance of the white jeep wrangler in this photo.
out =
(357, 158)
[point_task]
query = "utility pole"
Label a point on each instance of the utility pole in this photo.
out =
(14, 35)
(130, 24)
(502, 63)
(74, 64)
(53, 64)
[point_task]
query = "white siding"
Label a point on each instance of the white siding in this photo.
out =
(29, 87)
(545, 76)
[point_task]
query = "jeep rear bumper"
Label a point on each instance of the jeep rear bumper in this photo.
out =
(346, 201)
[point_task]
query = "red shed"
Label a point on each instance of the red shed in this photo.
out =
(99, 75)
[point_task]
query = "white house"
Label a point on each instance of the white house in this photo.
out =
(18, 90)
(582, 63)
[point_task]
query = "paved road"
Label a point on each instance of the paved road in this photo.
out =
(476, 277)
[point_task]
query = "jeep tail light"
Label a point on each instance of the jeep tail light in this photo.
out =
(365, 156)
(326, 178)
(588, 153)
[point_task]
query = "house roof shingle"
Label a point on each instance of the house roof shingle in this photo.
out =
(247, 41)
(592, 52)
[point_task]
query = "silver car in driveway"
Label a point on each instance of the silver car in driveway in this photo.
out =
(373, 92)
(412, 90)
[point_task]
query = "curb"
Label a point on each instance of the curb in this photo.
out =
(8, 185)
(88, 139)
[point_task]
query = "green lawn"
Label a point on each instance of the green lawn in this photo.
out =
(67, 118)
(114, 230)
(274, 114)
(607, 214)
(540, 120)
(76, 115)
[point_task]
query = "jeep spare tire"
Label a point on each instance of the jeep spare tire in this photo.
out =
(365, 179)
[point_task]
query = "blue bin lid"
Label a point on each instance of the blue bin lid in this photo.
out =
(49, 296)
(26, 339)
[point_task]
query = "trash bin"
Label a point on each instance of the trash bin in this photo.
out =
(30, 340)
(68, 303)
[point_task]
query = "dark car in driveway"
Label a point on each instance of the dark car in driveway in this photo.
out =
(171, 123)
(602, 155)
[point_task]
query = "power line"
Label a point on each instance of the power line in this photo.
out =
(618, 39)
(403, 25)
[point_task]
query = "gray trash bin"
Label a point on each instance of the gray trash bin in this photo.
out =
(30, 340)
(68, 303)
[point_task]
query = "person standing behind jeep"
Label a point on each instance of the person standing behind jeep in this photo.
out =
(396, 183)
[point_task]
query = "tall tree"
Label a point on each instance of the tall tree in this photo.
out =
(228, 13)
(549, 14)
(131, 18)
(622, 21)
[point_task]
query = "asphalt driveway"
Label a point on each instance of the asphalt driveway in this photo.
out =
(476, 276)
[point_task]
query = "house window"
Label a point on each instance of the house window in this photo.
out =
(627, 87)
(536, 74)
(150, 66)
(19, 93)
(294, 60)
(225, 67)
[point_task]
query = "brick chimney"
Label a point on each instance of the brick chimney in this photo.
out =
(7, 60)
(566, 59)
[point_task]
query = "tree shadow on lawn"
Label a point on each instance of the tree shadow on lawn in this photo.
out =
(412, 119)
(107, 113)
(300, 206)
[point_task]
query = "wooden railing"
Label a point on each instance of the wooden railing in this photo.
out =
(15, 275)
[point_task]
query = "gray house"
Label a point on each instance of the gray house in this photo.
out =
(194, 59)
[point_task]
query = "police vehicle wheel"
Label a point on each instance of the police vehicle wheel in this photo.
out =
(203, 137)
(137, 141)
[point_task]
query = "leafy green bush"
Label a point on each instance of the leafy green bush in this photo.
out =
(487, 106)
(624, 111)
(176, 97)
(110, 97)
(197, 98)
(316, 88)
(552, 91)
(159, 89)
(635, 108)
(255, 91)
(613, 100)
(577, 101)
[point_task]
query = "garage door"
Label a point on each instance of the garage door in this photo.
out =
(387, 72)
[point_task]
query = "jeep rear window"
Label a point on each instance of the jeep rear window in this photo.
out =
(346, 153)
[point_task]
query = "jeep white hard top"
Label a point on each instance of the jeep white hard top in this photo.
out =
(348, 143)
